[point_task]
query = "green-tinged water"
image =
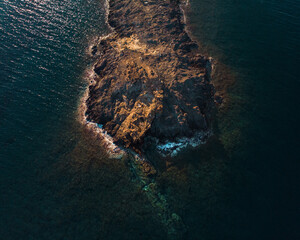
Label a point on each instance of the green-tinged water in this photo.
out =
(57, 183)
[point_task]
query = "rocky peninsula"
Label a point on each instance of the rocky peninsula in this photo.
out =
(150, 83)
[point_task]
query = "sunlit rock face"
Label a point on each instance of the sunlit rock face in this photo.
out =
(151, 82)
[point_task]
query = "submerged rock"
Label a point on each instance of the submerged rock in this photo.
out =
(151, 81)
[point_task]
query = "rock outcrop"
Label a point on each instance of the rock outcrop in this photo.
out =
(151, 82)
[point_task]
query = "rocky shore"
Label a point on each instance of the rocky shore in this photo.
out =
(150, 88)
(151, 84)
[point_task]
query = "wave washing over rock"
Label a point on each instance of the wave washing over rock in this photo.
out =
(151, 84)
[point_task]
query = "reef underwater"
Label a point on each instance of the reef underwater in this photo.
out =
(150, 89)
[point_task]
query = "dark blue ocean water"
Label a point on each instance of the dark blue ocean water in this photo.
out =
(55, 183)
(260, 42)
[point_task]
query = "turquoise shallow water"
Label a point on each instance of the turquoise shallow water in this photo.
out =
(56, 183)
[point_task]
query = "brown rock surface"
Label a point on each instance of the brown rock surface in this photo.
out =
(151, 80)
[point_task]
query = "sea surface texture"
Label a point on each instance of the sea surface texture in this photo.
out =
(57, 182)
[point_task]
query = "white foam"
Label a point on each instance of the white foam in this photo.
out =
(106, 140)
(173, 148)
